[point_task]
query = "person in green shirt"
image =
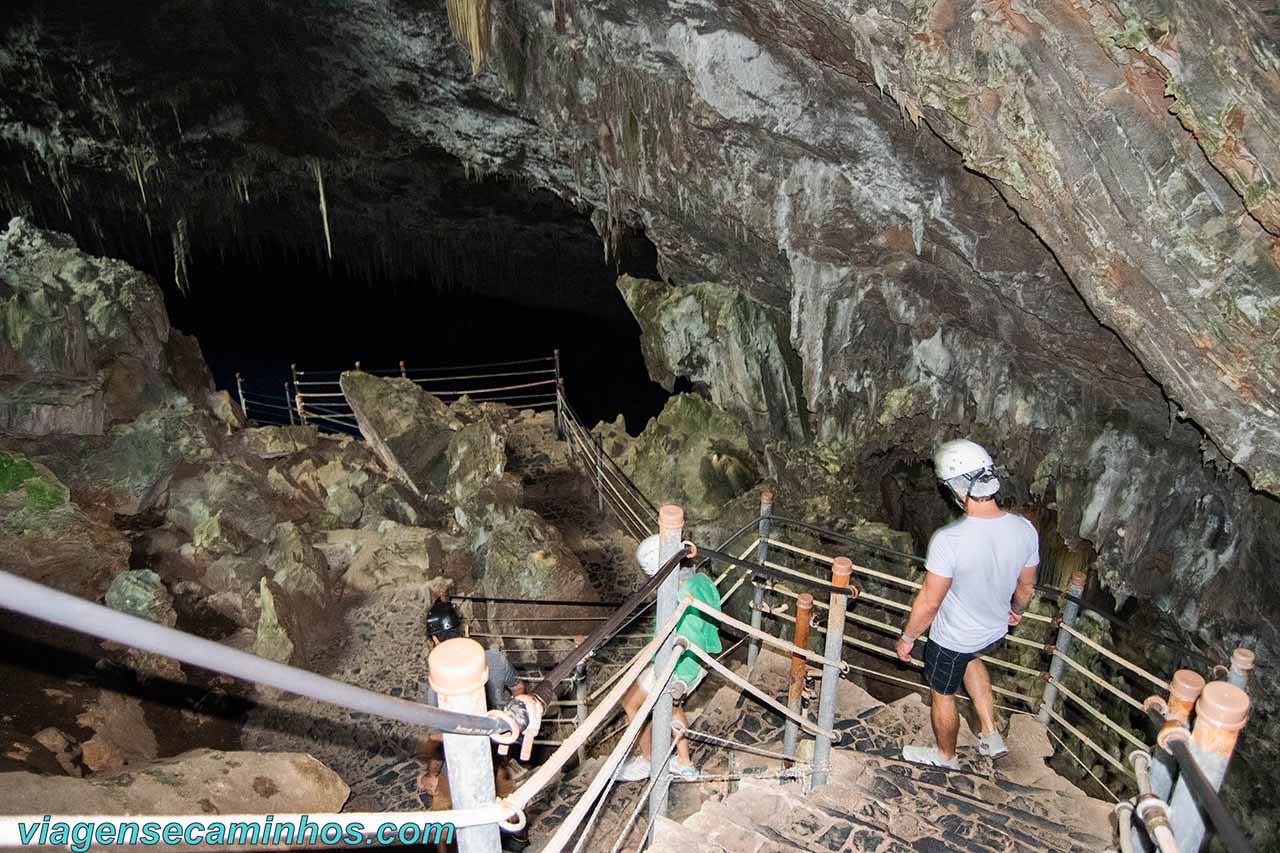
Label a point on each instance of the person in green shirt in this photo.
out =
(699, 631)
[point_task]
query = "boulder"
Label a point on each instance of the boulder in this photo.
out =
(723, 341)
(298, 567)
(47, 538)
(203, 780)
(274, 442)
(693, 454)
(391, 502)
(271, 640)
(406, 427)
(525, 557)
(141, 593)
(225, 410)
(82, 339)
(223, 508)
(477, 458)
(121, 734)
(392, 554)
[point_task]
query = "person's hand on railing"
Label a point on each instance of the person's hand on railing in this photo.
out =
(1014, 618)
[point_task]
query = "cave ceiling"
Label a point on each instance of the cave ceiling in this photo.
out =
(1085, 192)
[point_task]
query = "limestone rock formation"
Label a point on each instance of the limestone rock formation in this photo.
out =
(83, 337)
(214, 781)
(693, 454)
(408, 428)
(141, 593)
(725, 342)
(47, 538)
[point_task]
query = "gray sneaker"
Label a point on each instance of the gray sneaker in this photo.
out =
(992, 746)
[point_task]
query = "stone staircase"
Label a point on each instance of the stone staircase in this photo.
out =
(873, 802)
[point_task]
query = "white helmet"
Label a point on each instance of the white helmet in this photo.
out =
(967, 468)
(647, 555)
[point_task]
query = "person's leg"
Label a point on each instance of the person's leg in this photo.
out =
(946, 723)
(943, 670)
(978, 683)
(682, 745)
(631, 702)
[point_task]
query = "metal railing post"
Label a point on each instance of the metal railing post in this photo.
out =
(457, 672)
(762, 554)
(298, 400)
(582, 695)
(599, 473)
(804, 612)
(1241, 665)
(1063, 645)
(841, 569)
(288, 404)
(240, 391)
(1184, 689)
(670, 530)
(559, 399)
(1221, 712)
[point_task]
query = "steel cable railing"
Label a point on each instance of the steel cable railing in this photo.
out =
(318, 396)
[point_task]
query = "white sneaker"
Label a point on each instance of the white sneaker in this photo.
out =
(992, 745)
(929, 755)
(634, 769)
(685, 771)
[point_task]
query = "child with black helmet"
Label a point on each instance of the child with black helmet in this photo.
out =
(444, 623)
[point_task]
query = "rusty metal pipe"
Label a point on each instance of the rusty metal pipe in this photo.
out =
(1242, 661)
(1221, 712)
(804, 613)
(1184, 690)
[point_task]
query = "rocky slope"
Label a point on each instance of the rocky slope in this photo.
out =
(126, 479)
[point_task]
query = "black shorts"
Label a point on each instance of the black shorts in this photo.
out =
(944, 669)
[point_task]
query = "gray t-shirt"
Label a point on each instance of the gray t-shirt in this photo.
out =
(983, 557)
(502, 677)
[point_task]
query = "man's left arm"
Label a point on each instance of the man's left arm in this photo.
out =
(1022, 594)
(923, 609)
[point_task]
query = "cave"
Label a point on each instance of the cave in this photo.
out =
(315, 314)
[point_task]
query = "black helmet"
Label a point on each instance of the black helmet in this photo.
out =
(444, 622)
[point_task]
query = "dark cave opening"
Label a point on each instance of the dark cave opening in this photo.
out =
(524, 275)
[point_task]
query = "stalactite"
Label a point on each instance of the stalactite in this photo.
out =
(469, 21)
(181, 255)
(324, 208)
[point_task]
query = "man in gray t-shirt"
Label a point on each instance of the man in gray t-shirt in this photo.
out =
(981, 573)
